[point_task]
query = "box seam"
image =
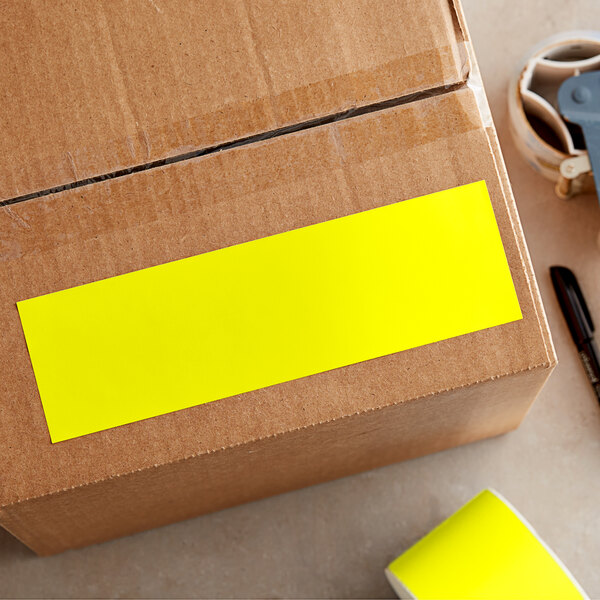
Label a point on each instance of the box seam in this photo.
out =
(244, 141)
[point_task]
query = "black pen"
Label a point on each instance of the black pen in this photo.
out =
(579, 320)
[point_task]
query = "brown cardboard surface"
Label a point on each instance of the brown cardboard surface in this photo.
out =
(230, 197)
(270, 440)
(89, 88)
(331, 540)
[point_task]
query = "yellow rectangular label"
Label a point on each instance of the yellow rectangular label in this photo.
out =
(267, 311)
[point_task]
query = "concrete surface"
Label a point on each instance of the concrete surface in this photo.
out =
(334, 540)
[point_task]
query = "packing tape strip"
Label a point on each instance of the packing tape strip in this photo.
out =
(484, 551)
(268, 311)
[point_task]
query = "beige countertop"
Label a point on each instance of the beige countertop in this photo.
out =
(334, 540)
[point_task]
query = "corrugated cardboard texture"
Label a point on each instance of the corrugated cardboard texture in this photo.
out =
(227, 198)
(114, 94)
(89, 88)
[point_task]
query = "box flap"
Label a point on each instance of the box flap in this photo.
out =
(91, 88)
(105, 229)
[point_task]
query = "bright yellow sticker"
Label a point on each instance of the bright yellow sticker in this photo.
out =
(485, 551)
(267, 311)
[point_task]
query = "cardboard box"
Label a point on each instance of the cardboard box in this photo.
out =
(145, 133)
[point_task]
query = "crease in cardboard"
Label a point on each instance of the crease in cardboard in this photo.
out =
(264, 66)
(524, 255)
(475, 83)
(358, 413)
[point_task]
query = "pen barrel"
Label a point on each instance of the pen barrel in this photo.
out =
(589, 357)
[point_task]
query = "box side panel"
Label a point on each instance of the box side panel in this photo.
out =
(106, 229)
(91, 88)
(210, 482)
